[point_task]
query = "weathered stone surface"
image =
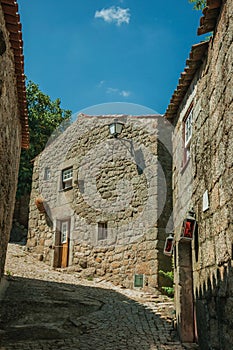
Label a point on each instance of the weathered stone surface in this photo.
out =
(10, 138)
(209, 169)
(124, 182)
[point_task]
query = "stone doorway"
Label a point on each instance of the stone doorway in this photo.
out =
(185, 306)
(62, 240)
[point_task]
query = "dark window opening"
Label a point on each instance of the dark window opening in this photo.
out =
(102, 230)
(139, 170)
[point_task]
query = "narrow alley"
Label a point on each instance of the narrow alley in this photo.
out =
(51, 309)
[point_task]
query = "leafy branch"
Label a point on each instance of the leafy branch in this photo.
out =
(44, 116)
(198, 4)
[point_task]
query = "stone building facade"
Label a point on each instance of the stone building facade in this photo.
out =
(201, 110)
(13, 116)
(101, 205)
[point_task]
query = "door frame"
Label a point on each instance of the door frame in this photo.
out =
(62, 247)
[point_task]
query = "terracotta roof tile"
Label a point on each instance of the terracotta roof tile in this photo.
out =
(210, 16)
(186, 77)
(207, 24)
(13, 25)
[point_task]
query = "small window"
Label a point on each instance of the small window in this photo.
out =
(188, 128)
(187, 135)
(64, 231)
(138, 281)
(47, 174)
(102, 230)
(67, 177)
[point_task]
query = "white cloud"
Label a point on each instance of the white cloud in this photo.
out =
(114, 14)
(125, 93)
(119, 92)
(112, 90)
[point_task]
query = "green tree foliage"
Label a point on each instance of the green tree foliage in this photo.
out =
(198, 4)
(44, 116)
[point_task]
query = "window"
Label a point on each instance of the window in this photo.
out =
(188, 128)
(64, 231)
(47, 174)
(102, 230)
(138, 281)
(67, 177)
(187, 135)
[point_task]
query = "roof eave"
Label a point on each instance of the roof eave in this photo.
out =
(13, 25)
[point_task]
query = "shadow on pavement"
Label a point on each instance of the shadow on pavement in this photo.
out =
(79, 317)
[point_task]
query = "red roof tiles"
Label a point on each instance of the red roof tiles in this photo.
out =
(210, 16)
(192, 65)
(12, 20)
(207, 24)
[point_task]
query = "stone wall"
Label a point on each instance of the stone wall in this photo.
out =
(203, 273)
(10, 139)
(124, 182)
(212, 172)
(182, 197)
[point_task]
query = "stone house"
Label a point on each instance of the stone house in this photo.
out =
(201, 111)
(13, 116)
(101, 205)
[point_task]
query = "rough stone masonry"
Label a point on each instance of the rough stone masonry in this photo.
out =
(10, 138)
(202, 180)
(110, 196)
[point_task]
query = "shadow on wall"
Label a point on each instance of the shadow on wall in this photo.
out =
(36, 311)
(214, 310)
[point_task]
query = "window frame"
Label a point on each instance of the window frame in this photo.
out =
(47, 173)
(66, 232)
(139, 280)
(187, 140)
(102, 233)
(188, 127)
(67, 182)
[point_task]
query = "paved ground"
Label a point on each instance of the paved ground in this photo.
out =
(45, 309)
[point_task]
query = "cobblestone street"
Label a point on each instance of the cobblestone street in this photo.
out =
(50, 309)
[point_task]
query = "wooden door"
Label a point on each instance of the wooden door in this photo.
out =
(64, 243)
(57, 247)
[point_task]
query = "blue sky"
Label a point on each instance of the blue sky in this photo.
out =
(92, 52)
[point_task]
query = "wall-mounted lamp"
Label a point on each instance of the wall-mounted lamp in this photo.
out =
(168, 247)
(115, 128)
(189, 225)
